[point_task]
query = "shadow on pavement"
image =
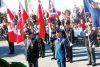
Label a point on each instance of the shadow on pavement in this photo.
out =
(4, 50)
(86, 59)
(48, 55)
(77, 52)
(97, 64)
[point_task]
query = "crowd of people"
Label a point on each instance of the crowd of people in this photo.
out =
(67, 27)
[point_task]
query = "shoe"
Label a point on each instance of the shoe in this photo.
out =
(11, 53)
(89, 64)
(52, 58)
(43, 56)
(71, 61)
(93, 64)
(68, 59)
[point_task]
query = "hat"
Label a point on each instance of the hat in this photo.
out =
(53, 31)
(29, 33)
(59, 30)
(90, 24)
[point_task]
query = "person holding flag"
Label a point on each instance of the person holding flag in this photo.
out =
(42, 31)
(92, 6)
(10, 35)
(90, 44)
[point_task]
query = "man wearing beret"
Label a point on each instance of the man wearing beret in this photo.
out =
(60, 49)
(33, 50)
(70, 37)
(90, 44)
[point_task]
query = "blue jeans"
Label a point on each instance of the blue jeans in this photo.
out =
(61, 63)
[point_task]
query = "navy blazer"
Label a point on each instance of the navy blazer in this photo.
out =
(60, 48)
(93, 37)
(33, 52)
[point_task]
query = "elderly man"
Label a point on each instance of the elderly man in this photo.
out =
(33, 50)
(90, 44)
(60, 49)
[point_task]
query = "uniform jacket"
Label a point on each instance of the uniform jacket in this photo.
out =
(33, 52)
(60, 48)
(93, 37)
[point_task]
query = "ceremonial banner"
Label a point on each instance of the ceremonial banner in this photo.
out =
(95, 12)
(11, 34)
(40, 19)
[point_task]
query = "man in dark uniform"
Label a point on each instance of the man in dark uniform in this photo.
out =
(42, 47)
(90, 44)
(70, 36)
(52, 39)
(33, 50)
(11, 47)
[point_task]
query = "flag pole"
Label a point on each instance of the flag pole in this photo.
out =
(26, 5)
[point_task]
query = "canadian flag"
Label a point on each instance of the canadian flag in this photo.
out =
(41, 20)
(20, 33)
(11, 34)
(23, 13)
(11, 16)
(20, 24)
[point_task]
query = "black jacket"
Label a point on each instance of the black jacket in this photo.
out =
(93, 36)
(70, 36)
(33, 52)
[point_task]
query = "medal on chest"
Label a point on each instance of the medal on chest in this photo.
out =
(32, 45)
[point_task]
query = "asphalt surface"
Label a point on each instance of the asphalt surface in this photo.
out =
(80, 58)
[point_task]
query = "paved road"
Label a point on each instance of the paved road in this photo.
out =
(79, 52)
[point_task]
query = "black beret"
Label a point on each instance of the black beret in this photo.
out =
(90, 24)
(59, 30)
